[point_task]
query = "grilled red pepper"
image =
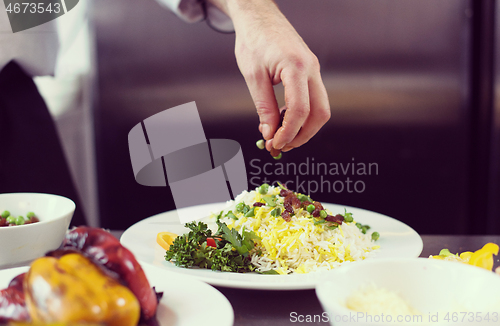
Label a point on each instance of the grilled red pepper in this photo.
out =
(12, 304)
(104, 249)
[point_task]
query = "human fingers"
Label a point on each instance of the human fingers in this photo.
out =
(273, 151)
(319, 114)
(297, 103)
(262, 92)
(269, 144)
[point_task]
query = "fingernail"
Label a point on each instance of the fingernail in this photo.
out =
(266, 131)
(269, 144)
(278, 145)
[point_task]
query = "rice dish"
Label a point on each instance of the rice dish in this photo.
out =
(301, 242)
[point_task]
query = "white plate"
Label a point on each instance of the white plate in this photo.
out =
(181, 297)
(396, 240)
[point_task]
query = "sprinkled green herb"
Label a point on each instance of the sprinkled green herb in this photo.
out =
(231, 254)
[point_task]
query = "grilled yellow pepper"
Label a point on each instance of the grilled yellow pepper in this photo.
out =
(72, 289)
(481, 258)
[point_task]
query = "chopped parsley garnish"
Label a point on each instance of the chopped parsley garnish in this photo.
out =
(231, 254)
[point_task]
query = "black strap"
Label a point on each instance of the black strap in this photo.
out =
(31, 155)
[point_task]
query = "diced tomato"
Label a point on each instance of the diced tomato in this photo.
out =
(211, 242)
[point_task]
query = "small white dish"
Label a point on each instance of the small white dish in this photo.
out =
(185, 302)
(396, 240)
(443, 292)
(22, 243)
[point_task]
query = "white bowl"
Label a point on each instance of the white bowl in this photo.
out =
(22, 243)
(445, 293)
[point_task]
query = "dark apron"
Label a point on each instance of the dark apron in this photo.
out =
(31, 155)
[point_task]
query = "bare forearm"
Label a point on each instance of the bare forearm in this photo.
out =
(233, 8)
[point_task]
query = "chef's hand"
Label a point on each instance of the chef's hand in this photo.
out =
(269, 51)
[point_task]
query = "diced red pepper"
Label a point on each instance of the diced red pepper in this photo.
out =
(211, 242)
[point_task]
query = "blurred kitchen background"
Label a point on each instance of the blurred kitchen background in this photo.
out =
(413, 87)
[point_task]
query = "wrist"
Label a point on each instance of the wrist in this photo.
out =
(244, 10)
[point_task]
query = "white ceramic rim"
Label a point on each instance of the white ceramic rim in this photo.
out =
(140, 238)
(69, 201)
